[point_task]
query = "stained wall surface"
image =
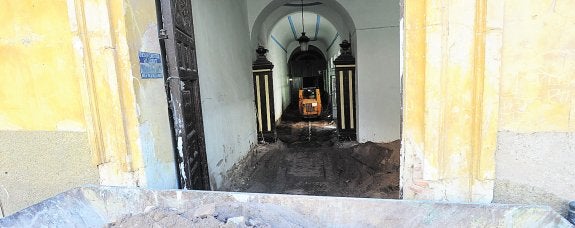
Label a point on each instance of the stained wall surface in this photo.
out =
(451, 99)
(36, 165)
(153, 120)
(535, 168)
(488, 112)
(50, 52)
(536, 139)
(43, 142)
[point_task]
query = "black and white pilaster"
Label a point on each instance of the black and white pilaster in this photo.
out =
(264, 94)
(345, 90)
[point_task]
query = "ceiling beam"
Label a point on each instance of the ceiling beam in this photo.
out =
(278, 43)
(332, 42)
(292, 27)
(317, 22)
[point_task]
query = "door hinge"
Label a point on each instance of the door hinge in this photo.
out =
(162, 34)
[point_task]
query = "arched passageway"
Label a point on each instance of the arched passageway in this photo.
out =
(308, 70)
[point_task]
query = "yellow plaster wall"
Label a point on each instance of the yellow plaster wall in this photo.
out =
(538, 82)
(450, 96)
(36, 165)
(44, 145)
(66, 67)
(39, 82)
(101, 45)
(69, 65)
(124, 110)
(536, 139)
(476, 68)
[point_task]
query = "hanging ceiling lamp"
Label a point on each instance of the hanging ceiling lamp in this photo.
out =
(303, 39)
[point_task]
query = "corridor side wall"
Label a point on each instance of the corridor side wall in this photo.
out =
(536, 139)
(282, 96)
(377, 53)
(224, 65)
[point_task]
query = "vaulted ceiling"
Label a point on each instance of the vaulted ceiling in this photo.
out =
(317, 28)
(271, 27)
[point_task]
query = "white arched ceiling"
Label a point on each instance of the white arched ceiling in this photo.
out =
(320, 30)
(275, 11)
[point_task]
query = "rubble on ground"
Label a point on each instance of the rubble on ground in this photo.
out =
(226, 215)
(308, 159)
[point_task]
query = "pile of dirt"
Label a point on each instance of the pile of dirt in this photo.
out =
(352, 170)
(231, 214)
(368, 170)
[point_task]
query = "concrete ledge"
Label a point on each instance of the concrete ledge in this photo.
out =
(95, 206)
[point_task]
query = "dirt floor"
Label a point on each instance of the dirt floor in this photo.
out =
(307, 159)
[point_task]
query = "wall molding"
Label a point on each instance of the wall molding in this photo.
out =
(108, 97)
(451, 99)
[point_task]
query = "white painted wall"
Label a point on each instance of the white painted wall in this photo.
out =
(377, 54)
(378, 85)
(281, 84)
(224, 65)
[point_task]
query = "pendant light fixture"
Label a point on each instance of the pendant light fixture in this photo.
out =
(303, 39)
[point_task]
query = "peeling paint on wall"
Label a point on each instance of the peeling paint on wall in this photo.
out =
(536, 139)
(451, 94)
(181, 164)
(151, 98)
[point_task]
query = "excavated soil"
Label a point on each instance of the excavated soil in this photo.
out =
(307, 159)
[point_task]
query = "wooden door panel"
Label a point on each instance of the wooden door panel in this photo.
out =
(184, 92)
(182, 14)
(186, 56)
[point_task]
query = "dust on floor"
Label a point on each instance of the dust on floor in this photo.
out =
(217, 215)
(307, 159)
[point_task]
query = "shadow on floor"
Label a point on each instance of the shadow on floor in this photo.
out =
(307, 159)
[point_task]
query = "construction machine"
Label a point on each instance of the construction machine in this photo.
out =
(310, 102)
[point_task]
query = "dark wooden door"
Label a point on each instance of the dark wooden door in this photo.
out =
(183, 87)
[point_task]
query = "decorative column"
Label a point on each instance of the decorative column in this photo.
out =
(345, 93)
(264, 94)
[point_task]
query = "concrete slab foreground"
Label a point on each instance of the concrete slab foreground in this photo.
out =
(96, 206)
